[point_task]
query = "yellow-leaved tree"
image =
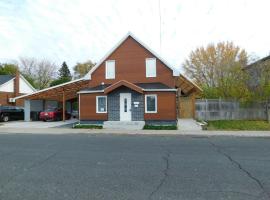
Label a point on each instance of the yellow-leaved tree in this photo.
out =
(218, 69)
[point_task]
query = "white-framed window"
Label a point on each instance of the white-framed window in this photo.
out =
(101, 104)
(151, 103)
(110, 69)
(151, 68)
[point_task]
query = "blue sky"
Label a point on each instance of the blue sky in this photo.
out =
(78, 30)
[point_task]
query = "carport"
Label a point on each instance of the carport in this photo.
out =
(63, 93)
(187, 93)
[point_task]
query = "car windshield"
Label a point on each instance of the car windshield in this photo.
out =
(50, 109)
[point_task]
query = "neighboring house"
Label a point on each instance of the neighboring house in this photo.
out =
(255, 70)
(131, 83)
(13, 86)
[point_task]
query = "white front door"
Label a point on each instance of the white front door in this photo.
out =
(125, 106)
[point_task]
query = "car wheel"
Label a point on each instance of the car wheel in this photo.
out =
(5, 118)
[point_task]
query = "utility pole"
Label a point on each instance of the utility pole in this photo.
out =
(160, 29)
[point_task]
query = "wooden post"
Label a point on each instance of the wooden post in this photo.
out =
(193, 106)
(64, 106)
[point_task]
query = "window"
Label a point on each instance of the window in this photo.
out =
(110, 69)
(151, 103)
(125, 105)
(101, 104)
(151, 69)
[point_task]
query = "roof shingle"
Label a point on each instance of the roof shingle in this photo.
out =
(5, 78)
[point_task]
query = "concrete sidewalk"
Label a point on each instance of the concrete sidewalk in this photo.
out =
(188, 125)
(52, 131)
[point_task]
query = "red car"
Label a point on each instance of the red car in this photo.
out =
(53, 114)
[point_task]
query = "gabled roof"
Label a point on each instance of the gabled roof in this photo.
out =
(129, 34)
(123, 83)
(260, 61)
(5, 78)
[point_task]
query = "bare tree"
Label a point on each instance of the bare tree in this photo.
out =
(41, 72)
(45, 72)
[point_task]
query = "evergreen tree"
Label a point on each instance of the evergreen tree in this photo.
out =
(64, 72)
(64, 75)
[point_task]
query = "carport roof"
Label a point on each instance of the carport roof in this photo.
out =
(187, 86)
(69, 89)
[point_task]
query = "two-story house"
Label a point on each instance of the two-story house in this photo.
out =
(12, 86)
(131, 83)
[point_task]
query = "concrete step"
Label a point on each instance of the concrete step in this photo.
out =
(127, 125)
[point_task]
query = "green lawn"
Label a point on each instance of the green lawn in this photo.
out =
(238, 125)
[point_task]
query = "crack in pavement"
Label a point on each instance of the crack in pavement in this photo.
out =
(166, 158)
(43, 161)
(239, 166)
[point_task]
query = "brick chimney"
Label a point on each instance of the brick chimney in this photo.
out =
(17, 84)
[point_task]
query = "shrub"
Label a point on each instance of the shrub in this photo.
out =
(88, 126)
(160, 127)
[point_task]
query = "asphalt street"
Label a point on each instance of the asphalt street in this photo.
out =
(85, 166)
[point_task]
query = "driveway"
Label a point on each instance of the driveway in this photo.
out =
(38, 124)
(133, 167)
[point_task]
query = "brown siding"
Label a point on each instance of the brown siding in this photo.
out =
(130, 65)
(166, 109)
(88, 107)
(4, 99)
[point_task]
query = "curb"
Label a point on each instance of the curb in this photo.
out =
(58, 131)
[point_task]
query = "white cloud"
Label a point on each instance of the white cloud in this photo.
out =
(79, 30)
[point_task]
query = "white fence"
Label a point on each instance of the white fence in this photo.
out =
(218, 109)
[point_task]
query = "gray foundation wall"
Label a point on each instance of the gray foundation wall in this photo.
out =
(94, 122)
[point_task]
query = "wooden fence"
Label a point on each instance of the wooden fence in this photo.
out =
(218, 109)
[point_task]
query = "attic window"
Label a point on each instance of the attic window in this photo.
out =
(110, 69)
(151, 69)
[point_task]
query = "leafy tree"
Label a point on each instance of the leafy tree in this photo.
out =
(59, 81)
(81, 69)
(218, 69)
(8, 69)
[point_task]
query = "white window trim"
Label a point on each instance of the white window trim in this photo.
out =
(155, 68)
(145, 103)
(106, 70)
(97, 104)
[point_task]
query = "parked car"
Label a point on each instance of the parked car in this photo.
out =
(8, 113)
(53, 114)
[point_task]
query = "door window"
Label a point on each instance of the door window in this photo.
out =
(125, 105)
